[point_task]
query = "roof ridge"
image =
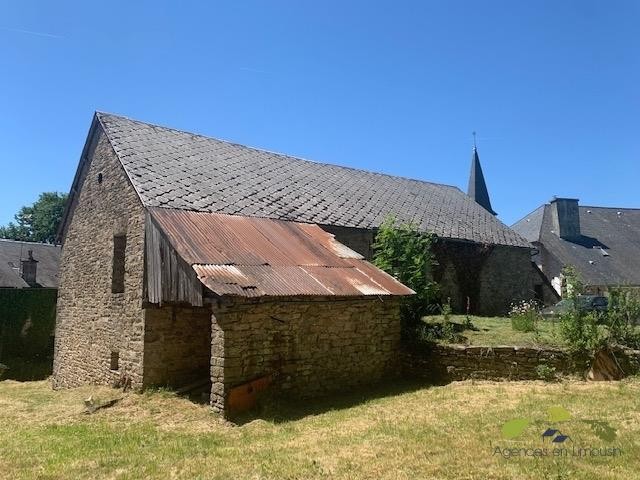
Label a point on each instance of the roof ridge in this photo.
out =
(29, 242)
(528, 214)
(272, 152)
(610, 208)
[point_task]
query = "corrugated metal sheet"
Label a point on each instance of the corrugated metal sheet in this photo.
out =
(253, 257)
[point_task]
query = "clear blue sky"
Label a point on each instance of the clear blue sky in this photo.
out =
(552, 87)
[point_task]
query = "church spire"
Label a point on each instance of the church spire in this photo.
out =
(477, 186)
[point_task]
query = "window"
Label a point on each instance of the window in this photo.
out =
(117, 278)
(115, 360)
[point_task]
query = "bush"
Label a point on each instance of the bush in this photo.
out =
(546, 372)
(405, 253)
(587, 333)
(524, 316)
(622, 317)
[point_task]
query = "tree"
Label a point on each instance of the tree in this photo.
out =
(405, 253)
(38, 222)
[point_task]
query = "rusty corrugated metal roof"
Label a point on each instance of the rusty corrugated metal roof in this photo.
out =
(254, 257)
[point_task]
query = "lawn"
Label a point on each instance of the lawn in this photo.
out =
(494, 331)
(406, 432)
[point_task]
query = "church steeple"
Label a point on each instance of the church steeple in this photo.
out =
(477, 186)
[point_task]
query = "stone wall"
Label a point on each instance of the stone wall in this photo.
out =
(443, 363)
(358, 239)
(506, 277)
(177, 345)
(446, 363)
(93, 325)
(309, 346)
(489, 277)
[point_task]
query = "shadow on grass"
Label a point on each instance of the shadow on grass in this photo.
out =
(26, 370)
(282, 410)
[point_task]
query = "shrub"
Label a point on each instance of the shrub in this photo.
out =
(587, 333)
(546, 372)
(622, 317)
(405, 253)
(524, 316)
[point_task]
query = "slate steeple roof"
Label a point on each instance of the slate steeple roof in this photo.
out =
(477, 186)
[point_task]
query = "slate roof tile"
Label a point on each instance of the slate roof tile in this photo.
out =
(616, 230)
(175, 169)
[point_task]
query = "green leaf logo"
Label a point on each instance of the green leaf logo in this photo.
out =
(558, 414)
(602, 429)
(514, 428)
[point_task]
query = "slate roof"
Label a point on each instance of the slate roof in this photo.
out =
(477, 186)
(610, 240)
(180, 170)
(11, 252)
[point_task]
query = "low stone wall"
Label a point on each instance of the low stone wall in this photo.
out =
(446, 363)
(443, 363)
(305, 346)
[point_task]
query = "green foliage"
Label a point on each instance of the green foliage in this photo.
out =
(524, 316)
(588, 332)
(546, 372)
(38, 222)
(573, 284)
(579, 329)
(27, 322)
(582, 333)
(405, 253)
(450, 331)
(622, 316)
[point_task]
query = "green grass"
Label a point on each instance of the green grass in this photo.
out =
(446, 432)
(494, 331)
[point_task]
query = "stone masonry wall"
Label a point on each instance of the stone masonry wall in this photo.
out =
(177, 345)
(490, 276)
(443, 363)
(93, 323)
(506, 277)
(311, 346)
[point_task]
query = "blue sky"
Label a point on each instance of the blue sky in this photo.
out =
(552, 88)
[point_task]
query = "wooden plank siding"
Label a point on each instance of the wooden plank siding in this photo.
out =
(169, 279)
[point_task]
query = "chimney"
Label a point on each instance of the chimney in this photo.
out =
(566, 217)
(29, 269)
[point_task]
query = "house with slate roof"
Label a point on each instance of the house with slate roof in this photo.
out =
(188, 258)
(28, 292)
(602, 243)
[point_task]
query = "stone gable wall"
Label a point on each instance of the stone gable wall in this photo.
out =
(309, 346)
(91, 321)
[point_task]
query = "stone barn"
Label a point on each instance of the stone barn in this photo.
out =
(482, 263)
(155, 294)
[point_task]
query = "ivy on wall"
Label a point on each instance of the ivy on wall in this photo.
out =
(27, 323)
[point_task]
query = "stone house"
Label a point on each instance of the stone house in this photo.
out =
(28, 292)
(153, 293)
(602, 243)
(28, 264)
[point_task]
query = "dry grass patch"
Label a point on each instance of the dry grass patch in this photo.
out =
(406, 433)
